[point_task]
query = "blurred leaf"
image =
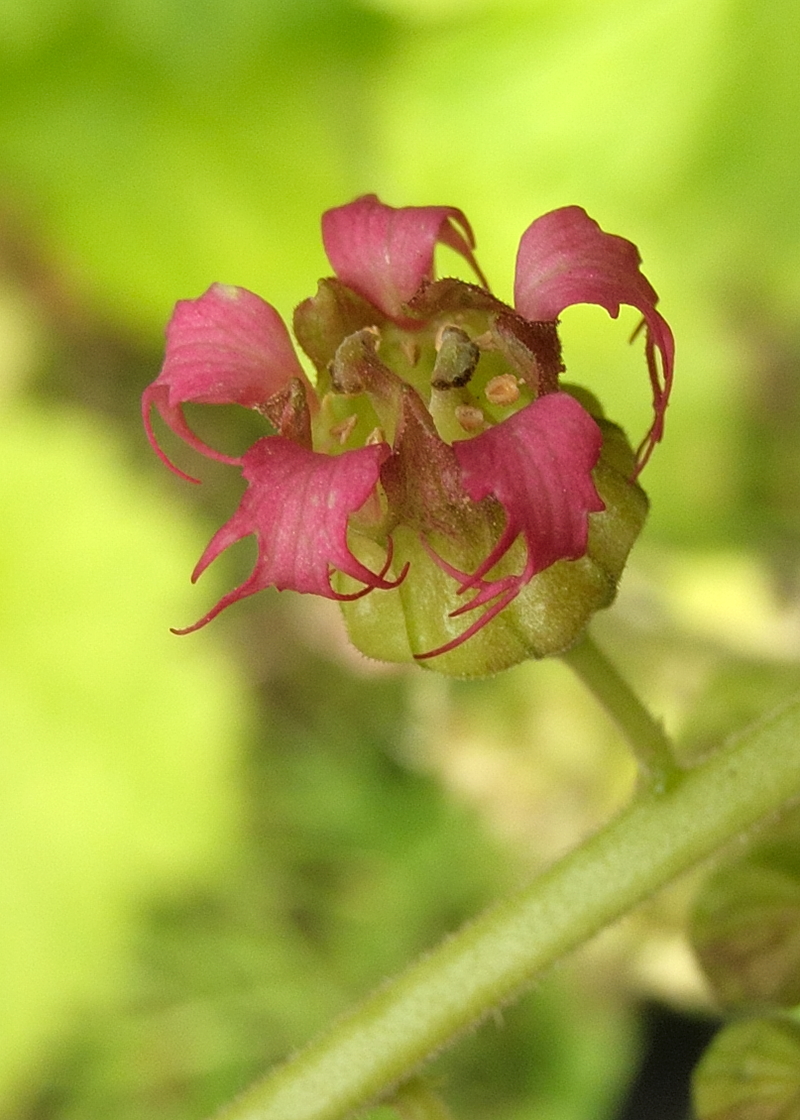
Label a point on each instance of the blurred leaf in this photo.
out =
(162, 148)
(543, 1058)
(116, 741)
(351, 864)
(157, 146)
(734, 692)
(417, 1100)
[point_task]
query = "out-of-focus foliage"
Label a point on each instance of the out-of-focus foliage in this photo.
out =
(161, 145)
(117, 751)
(186, 899)
(354, 863)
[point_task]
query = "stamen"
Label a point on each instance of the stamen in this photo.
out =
(344, 429)
(345, 379)
(377, 435)
(503, 389)
(356, 367)
(456, 358)
(470, 418)
(410, 351)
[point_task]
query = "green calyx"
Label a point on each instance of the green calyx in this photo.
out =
(548, 615)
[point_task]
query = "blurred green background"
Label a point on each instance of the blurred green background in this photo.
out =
(213, 844)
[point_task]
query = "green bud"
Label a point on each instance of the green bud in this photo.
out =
(746, 925)
(751, 1071)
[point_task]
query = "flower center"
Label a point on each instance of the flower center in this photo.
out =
(460, 365)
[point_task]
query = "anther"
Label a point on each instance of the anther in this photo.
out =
(503, 389)
(410, 351)
(344, 429)
(470, 418)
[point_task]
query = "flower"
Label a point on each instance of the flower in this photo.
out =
(466, 508)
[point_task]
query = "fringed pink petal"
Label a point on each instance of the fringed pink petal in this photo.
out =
(384, 253)
(297, 505)
(537, 465)
(227, 347)
(565, 258)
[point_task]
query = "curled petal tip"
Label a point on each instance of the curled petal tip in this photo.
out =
(156, 396)
(379, 580)
(565, 258)
(471, 631)
(148, 403)
(226, 347)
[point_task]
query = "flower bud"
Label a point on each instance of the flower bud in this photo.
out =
(746, 924)
(751, 1071)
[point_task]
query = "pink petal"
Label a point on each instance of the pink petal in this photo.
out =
(384, 253)
(227, 347)
(565, 258)
(297, 505)
(538, 465)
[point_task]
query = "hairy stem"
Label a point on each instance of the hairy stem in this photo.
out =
(644, 733)
(377, 1045)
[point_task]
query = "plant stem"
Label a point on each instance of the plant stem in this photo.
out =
(378, 1044)
(645, 734)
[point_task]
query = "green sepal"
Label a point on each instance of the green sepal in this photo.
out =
(549, 614)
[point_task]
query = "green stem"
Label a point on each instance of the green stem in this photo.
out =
(375, 1046)
(644, 733)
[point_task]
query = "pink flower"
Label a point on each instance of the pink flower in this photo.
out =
(436, 420)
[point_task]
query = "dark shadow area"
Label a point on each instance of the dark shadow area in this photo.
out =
(672, 1045)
